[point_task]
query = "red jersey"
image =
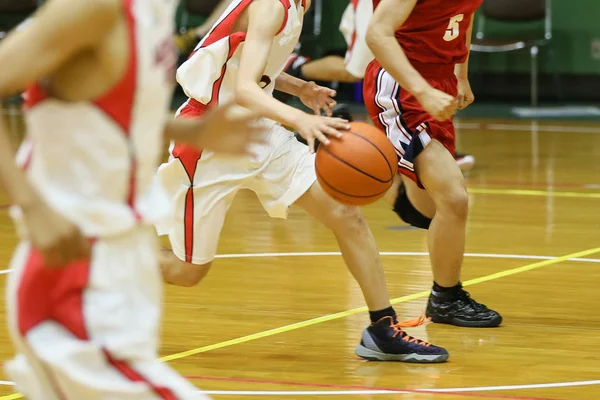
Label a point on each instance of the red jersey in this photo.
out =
(435, 31)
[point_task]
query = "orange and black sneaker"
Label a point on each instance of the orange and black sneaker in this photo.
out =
(385, 340)
(456, 307)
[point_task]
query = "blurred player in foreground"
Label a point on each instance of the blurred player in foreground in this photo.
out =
(242, 58)
(85, 292)
(412, 91)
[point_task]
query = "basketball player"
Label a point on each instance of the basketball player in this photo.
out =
(412, 91)
(84, 296)
(350, 69)
(242, 59)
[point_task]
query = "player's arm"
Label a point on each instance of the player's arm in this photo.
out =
(315, 97)
(465, 94)
(223, 129)
(289, 84)
(60, 29)
(265, 18)
(462, 70)
(388, 17)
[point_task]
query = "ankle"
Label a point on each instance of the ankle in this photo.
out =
(442, 291)
(386, 312)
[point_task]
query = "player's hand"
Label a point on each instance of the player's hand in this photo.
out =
(438, 104)
(230, 129)
(318, 98)
(315, 127)
(465, 94)
(60, 241)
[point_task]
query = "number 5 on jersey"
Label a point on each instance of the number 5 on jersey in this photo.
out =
(453, 28)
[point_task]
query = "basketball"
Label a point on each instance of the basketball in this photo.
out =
(358, 168)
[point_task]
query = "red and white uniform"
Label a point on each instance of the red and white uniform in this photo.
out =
(354, 25)
(202, 185)
(434, 40)
(89, 330)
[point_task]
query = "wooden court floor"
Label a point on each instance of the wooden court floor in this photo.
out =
(277, 317)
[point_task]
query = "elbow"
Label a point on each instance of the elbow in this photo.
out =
(373, 37)
(243, 95)
(378, 35)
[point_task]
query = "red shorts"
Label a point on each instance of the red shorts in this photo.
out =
(399, 114)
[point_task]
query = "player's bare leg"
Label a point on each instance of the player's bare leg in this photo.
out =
(356, 242)
(445, 185)
(384, 339)
(445, 204)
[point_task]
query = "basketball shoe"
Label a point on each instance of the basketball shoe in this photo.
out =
(385, 340)
(456, 307)
(465, 162)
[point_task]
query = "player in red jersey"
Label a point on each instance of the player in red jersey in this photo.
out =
(412, 90)
(84, 293)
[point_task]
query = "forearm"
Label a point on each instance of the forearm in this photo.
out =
(289, 84)
(12, 178)
(390, 55)
(252, 97)
(462, 70)
(183, 131)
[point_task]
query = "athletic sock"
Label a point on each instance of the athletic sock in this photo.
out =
(386, 312)
(441, 291)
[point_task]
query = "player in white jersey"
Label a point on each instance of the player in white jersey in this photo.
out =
(242, 58)
(84, 294)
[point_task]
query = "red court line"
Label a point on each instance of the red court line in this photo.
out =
(359, 387)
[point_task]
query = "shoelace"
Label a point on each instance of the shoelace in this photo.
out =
(466, 297)
(411, 323)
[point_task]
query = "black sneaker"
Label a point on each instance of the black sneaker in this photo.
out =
(458, 308)
(339, 111)
(386, 341)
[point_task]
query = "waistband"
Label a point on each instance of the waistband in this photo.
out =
(435, 71)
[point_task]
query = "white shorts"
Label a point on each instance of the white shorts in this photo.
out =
(202, 188)
(90, 330)
(354, 26)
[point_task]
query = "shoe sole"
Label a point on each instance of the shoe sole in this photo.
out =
(415, 358)
(494, 323)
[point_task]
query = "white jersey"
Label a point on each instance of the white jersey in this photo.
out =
(95, 161)
(354, 26)
(209, 75)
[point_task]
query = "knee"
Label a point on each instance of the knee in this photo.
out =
(181, 273)
(456, 202)
(194, 274)
(344, 217)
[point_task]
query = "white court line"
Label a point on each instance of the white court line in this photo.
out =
(6, 383)
(388, 253)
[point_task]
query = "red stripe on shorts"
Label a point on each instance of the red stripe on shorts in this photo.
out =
(130, 373)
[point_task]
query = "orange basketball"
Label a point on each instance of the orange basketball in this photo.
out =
(358, 168)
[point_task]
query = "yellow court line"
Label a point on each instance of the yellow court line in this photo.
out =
(331, 317)
(12, 396)
(540, 193)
